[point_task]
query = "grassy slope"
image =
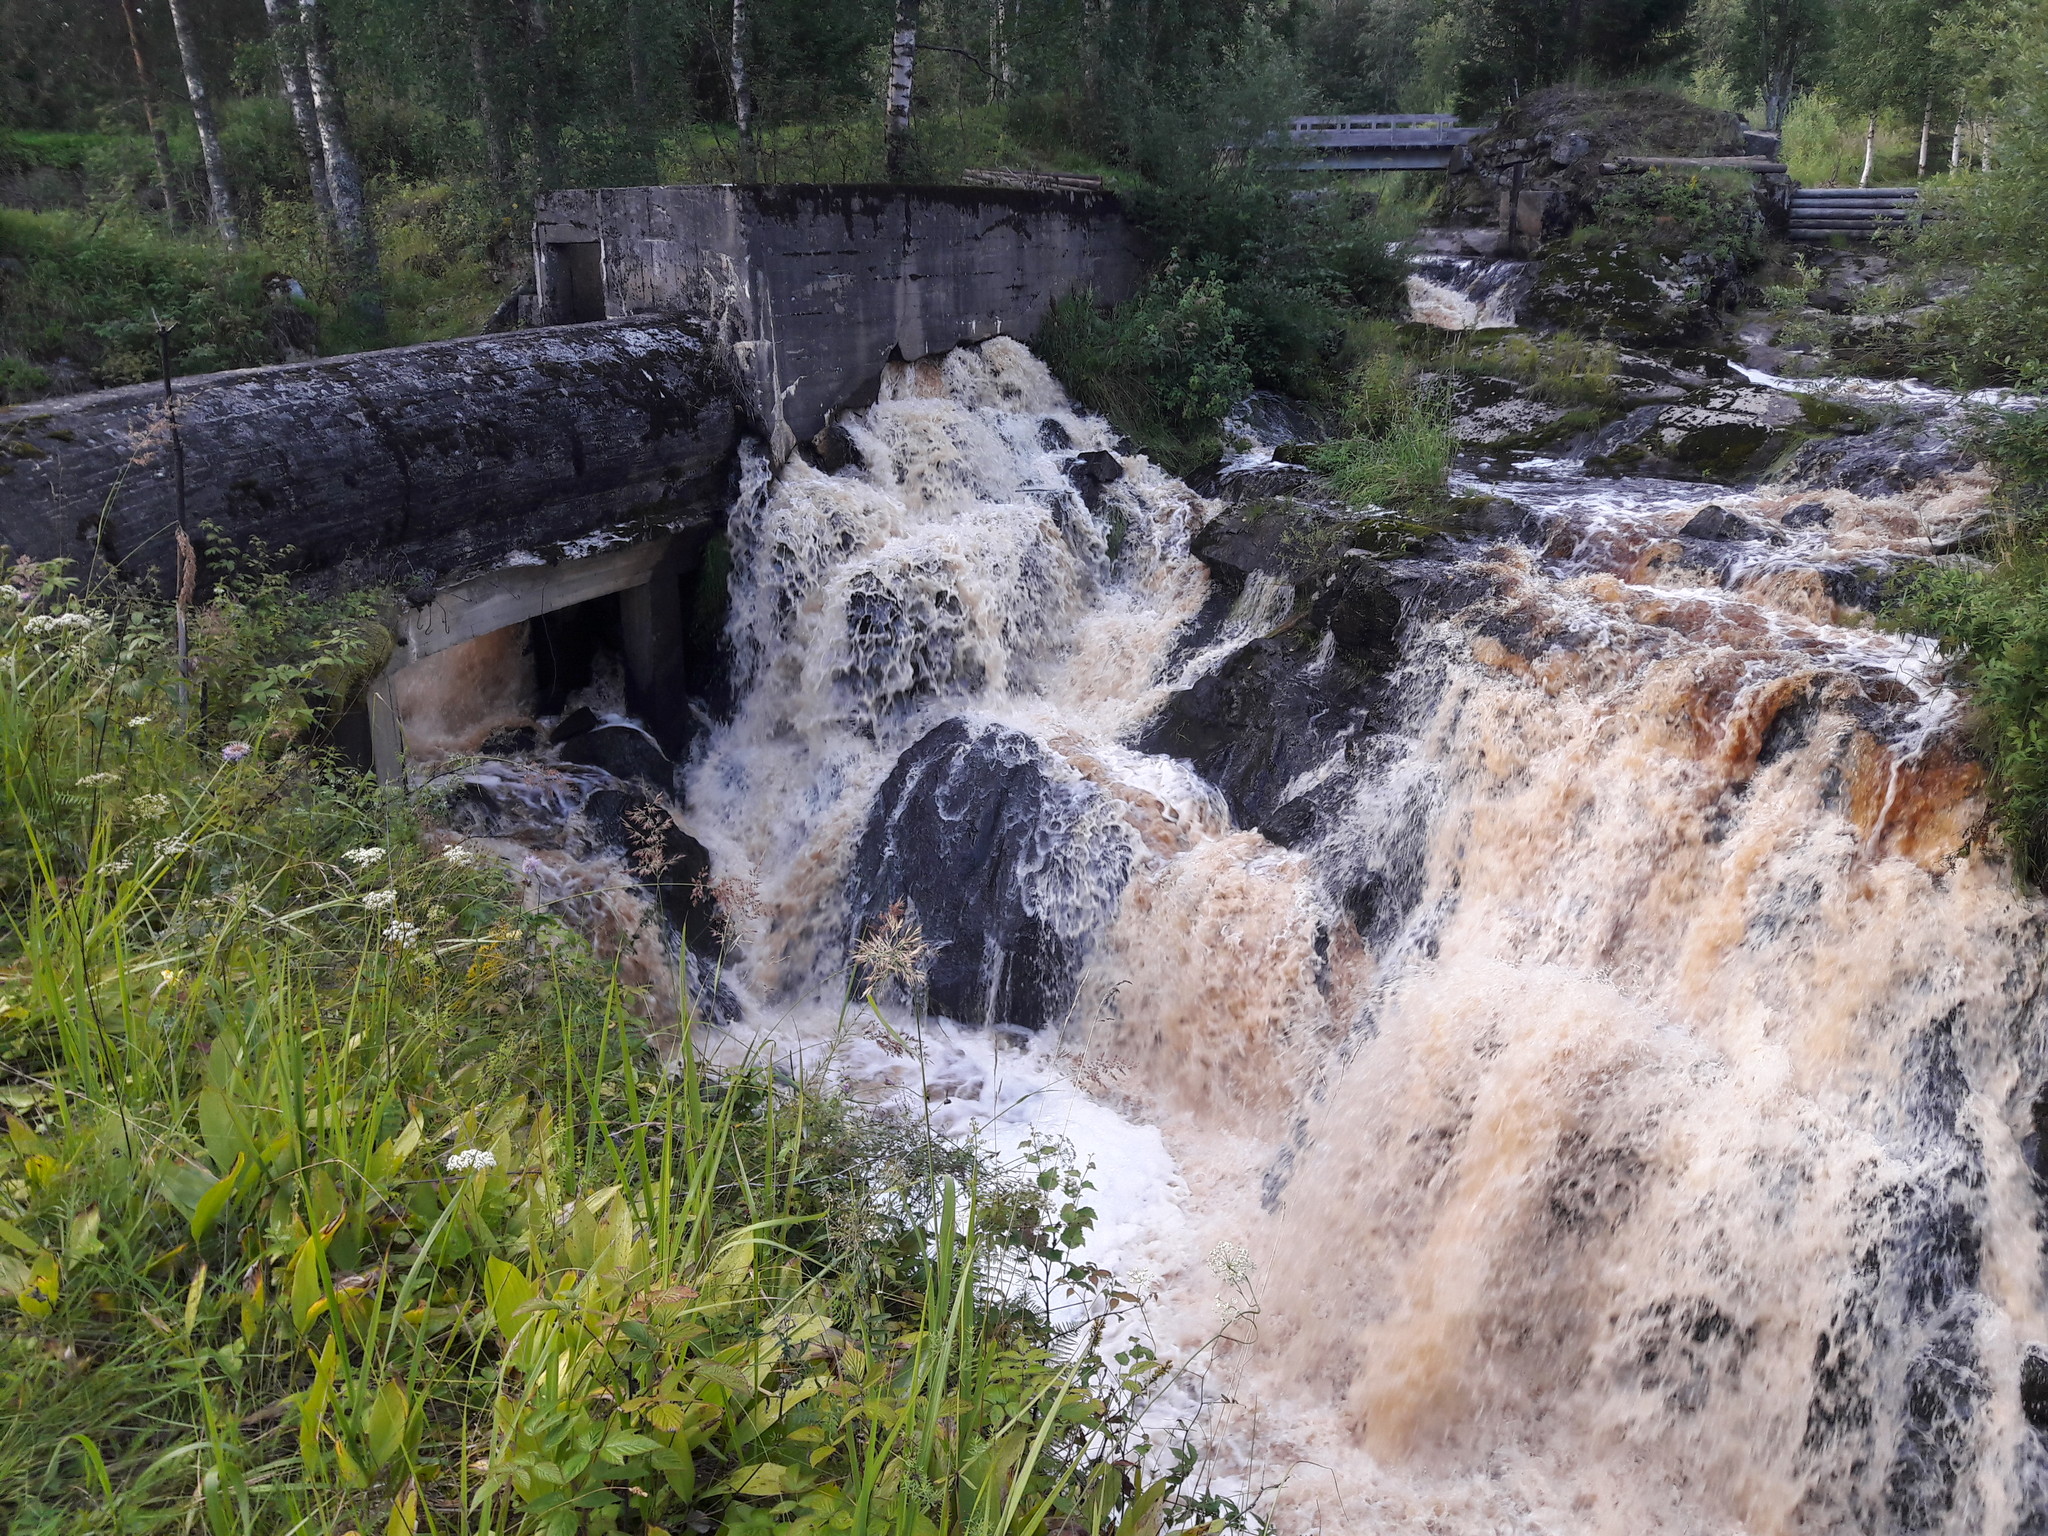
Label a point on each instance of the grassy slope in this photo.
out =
(337, 1192)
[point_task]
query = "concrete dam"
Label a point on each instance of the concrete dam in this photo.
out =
(496, 479)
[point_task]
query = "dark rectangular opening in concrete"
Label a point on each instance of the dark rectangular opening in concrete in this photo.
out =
(574, 274)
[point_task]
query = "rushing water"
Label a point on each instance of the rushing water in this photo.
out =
(1617, 1116)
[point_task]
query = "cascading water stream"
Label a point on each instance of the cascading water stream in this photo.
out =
(1612, 1091)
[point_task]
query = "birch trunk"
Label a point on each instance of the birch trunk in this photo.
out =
(159, 145)
(298, 95)
(902, 71)
(1984, 144)
(1955, 146)
(490, 115)
(220, 203)
(1869, 150)
(742, 94)
(1926, 127)
(353, 235)
(636, 56)
(540, 94)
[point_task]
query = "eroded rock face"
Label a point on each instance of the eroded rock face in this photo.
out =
(1880, 463)
(622, 751)
(1726, 433)
(1010, 862)
(1283, 703)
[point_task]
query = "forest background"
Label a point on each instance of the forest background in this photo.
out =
(277, 178)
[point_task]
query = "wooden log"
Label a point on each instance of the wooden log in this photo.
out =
(1754, 163)
(414, 466)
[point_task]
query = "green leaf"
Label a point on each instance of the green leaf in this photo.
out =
(216, 1198)
(306, 1289)
(384, 1426)
(619, 1448)
(506, 1290)
(14, 1237)
(765, 1480)
(38, 1298)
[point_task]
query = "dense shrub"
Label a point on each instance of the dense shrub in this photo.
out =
(1714, 219)
(1995, 619)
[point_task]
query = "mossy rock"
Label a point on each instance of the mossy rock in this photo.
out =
(1620, 292)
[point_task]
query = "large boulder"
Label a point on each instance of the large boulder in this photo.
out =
(1009, 862)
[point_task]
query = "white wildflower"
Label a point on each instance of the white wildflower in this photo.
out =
(1232, 1262)
(234, 751)
(171, 847)
(50, 623)
(118, 866)
(98, 778)
(363, 858)
(152, 807)
(137, 722)
(461, 855)
(12, 593)
(381, 901)
(470, 1159)
(402, 933)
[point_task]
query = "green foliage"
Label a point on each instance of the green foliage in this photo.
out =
(1705, 215)
(1165, 367)
(1513, 46)
(337, 1192)
(1996, 619)
(1397, 451)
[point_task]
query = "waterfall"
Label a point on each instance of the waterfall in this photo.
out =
(1612, 1102)
(1455, 293)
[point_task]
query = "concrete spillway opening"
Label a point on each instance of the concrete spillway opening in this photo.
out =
(491, 664)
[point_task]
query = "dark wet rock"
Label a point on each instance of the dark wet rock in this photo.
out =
(1268, 420)
(1092, 473)
(1358, 608)
(1718, 524)
(1882, 462)
(573, 724)
(1724, 434)
(1495, 413)
(1053, 437)
(2034, 1386)
(834, 449)
(510, 741)
(1809, 514)
(1009, 865)
(624, 752)
(672, 866)
(1623, 292)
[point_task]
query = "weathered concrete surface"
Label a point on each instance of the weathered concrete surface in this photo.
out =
(813, 287)
(415, 466)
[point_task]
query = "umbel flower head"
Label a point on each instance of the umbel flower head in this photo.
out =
(470, 1159)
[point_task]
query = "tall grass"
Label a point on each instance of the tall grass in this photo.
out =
(339, 1194)
(1397, 450)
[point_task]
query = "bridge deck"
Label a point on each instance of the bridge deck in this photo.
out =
(1384, 142)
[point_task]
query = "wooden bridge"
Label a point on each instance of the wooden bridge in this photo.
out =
(1402, 141)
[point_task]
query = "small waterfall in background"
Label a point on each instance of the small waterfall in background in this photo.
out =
(1571, 1067)
(1457, 293)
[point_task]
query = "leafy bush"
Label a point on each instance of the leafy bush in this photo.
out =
(1715, 219)
(1996, 620)
(1164, 367)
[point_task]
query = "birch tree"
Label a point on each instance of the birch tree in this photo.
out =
(159, 144)
(220, 202)
(289, 45)
(354, 238)
(896, 108)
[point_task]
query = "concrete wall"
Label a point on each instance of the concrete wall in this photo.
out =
(814, 287)
(414, 466)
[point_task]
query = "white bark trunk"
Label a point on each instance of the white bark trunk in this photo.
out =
(902, 73)
(221, 203)
(742, 95)
(1955, 146)
(1869, 151)
(344, 181)
(298, 95)
(1926, 127)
